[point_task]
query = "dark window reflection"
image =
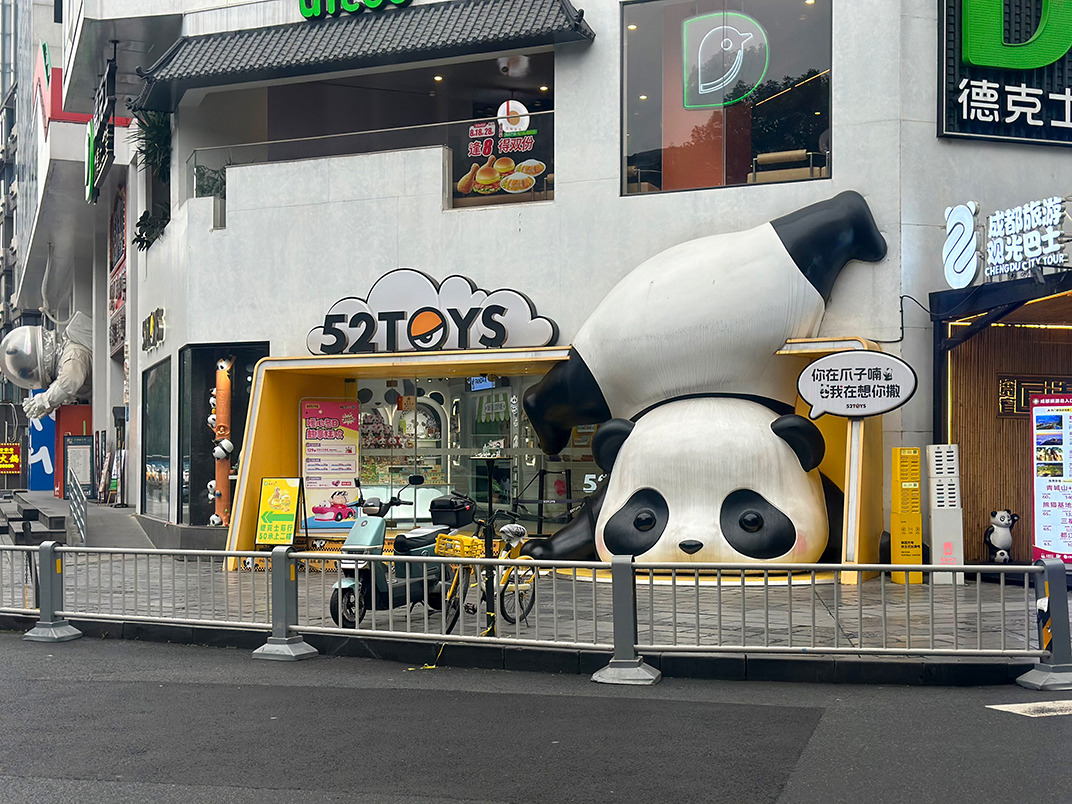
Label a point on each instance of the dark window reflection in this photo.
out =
(725, 92)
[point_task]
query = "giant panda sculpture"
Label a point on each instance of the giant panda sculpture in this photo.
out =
(681, 356)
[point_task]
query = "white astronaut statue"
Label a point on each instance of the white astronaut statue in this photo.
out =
(32, 357)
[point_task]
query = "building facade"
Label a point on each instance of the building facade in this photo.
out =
(307, 154)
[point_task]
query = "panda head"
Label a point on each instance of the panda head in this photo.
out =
(1002, 556)
(712, 480)
(1003, 519)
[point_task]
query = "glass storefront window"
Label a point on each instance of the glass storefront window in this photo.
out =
(156, 440)
(463, 434)
(197, 379)
(725, 92)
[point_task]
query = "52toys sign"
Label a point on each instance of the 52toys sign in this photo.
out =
(407, 310)
(1003, 80)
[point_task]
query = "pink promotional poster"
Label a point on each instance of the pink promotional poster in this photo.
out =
(329, 462)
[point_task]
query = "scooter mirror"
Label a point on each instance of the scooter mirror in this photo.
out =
(416, 480)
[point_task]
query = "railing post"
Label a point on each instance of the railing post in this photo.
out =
(1056, 672)
(626, 667)
(50, 627)
(282, 646)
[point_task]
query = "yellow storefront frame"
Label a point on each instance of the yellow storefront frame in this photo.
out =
(271, 443)
(854, 452)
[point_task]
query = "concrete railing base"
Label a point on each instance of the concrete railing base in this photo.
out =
(1047, 677)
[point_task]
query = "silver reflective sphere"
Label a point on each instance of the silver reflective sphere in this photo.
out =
(21, 355)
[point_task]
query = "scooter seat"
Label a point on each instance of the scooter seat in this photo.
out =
(407, 545)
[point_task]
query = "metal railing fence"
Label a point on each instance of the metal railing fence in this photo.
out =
(186, 587)
(19, 591)
(570, 601)
(627, 606)
(799, 608)
(78, 503)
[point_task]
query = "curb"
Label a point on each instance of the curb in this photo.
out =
(906, 671)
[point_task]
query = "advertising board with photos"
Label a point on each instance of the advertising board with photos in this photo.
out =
(505, 159)
(1051, 420)
(1004, 71)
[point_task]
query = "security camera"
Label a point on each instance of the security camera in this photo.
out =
(504, 68)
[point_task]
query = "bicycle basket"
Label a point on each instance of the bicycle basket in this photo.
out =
(459, 546)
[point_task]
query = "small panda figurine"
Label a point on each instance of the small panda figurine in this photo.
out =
(998, 535)
(215, 520)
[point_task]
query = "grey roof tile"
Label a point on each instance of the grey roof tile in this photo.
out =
(391, 36)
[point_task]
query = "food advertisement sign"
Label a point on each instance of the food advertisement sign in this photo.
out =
(329, 442)
(510, 158)
(10, 459)
(1051, 425)
(277, 516)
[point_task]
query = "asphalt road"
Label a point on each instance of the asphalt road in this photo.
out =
(115, 721)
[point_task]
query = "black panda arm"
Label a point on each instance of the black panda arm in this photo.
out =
(835, 517)
(574, 542)
(987, 534)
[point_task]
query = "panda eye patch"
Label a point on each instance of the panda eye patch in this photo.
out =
(637, 525)
(754, 527)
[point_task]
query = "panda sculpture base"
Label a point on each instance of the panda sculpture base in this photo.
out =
(634, 672)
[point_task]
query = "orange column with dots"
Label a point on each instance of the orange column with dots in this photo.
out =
(223, 432)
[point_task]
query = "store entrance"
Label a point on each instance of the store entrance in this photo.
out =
(989, 363)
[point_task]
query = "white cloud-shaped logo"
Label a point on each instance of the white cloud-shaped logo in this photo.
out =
(407, 310)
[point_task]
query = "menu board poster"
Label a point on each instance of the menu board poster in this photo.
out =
(1051, 425)
(329, 441)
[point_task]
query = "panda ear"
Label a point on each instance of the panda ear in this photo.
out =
(803, 437)
(993, 514)
(608, 440)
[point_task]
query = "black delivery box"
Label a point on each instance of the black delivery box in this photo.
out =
(452, 511)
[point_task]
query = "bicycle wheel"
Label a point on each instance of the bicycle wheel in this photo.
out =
(455, 599)
(518, 594)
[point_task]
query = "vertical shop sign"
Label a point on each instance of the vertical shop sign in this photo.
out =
(329, 440)
(100, 134)
(1051, 417)
(42, 451)
(1003, 70)
(10, 459)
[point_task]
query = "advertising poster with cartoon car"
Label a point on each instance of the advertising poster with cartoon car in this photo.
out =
(504, 159)
(330, 438)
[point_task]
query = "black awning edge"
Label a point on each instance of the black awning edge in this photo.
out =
(394, 36)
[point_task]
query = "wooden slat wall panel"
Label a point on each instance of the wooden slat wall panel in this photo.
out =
(995, 454)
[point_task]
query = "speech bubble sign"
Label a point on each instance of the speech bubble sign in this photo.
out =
(856, 384)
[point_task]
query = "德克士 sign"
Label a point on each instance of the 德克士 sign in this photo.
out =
(1006, 80)
(315, 9)
(408, 311)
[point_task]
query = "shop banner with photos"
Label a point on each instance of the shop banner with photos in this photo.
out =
(330, 430)
(1051, 425)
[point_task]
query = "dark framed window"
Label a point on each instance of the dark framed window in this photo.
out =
(197, 380)
(724, 92)
(156, 440)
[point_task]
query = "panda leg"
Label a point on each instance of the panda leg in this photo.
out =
(567, 396)
(822, 238)
(574, 542)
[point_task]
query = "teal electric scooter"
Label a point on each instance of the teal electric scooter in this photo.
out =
(395, 583)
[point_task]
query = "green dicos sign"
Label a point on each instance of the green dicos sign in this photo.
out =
(984, 36)
(315, 9)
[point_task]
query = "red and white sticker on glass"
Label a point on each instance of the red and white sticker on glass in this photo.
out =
(1051, 424)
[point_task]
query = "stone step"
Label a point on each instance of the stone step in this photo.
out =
(38, 533)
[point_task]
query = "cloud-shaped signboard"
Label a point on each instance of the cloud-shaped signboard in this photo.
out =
(407, 310)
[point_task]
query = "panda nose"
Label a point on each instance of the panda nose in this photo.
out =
(691, 546)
